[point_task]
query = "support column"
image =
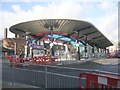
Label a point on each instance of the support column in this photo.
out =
(93, 52)
(102, 52)
(66, 51)
(66, 48)
(25, 46)
(51, 48)
(26, 51)
(78, 51)
(78, 48)
(30, 51)
(105, 51)
(15, 48)
(93, 49)
(51, 44)
(99, 53)
(100, 49)
(85, 46)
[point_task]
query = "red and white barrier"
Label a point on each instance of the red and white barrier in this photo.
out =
(103, 81)
(34, 60)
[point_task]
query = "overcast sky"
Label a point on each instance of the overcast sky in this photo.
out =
(101, 13)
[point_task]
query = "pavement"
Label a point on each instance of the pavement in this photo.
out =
(18, 86)
(75, 61)
(112, 61)
(9, 85)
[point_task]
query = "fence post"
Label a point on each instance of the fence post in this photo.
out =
(45, 76)
(13, 75)
(66, 56)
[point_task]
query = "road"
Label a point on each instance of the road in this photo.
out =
(30, 77)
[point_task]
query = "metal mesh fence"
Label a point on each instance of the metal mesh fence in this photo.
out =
(46, 76)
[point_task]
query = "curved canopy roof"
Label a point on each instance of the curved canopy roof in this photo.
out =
(63, 27)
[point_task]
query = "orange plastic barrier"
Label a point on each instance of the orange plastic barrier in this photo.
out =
(103, 81)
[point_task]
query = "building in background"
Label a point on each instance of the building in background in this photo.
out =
(114, 47)
(114, 50)
(12, 46)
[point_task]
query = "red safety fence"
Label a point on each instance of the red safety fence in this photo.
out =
(103, 81)
(34, 60)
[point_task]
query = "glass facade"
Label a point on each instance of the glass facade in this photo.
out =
(38, 52)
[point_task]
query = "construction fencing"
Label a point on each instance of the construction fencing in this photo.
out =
(47, 76)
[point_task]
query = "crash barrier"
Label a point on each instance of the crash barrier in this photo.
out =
(34, 60)
(103, 81)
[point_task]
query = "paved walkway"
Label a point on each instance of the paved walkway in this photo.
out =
(9, 85)
(75, 61)
(110, 61)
